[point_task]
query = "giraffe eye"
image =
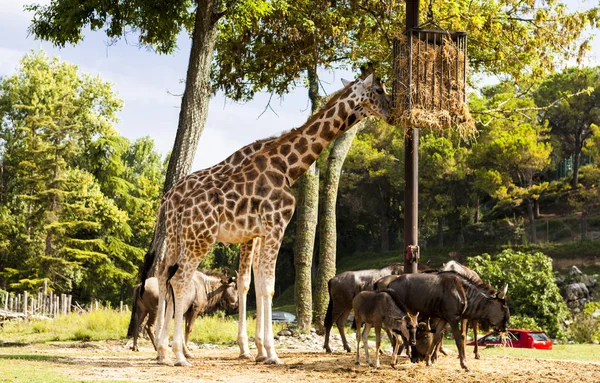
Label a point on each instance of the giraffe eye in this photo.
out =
(379, 91)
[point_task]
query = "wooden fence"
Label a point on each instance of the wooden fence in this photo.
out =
(27, 305)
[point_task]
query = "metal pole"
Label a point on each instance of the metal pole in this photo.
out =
(411, 171)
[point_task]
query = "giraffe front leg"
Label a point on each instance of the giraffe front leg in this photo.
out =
(244, 278)
(269, 342)
(261, 355)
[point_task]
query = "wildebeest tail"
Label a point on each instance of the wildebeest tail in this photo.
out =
(148, 261)
(151, 254)
(329, 315)
(134, 314)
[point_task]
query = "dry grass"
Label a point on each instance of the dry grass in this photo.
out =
(435, 98)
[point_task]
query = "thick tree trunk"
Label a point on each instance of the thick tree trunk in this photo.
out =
(536, 209)
(307, 213)
(307, 209)
(327, 223)
(194, 104)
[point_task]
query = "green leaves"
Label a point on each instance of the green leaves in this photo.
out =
(74, 192)
(532, 291)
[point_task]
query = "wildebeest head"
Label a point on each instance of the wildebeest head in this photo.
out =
(407, 325)
(499, 314)
(230, 295)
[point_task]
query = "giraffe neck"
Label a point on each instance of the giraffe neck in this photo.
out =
(313, 137)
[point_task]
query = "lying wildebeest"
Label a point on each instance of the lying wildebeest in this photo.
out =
(343, 288)
(451, 298)
(473, 276)
(208, 294)
(377, 309)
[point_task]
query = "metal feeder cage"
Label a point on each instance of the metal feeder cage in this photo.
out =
(430, 80)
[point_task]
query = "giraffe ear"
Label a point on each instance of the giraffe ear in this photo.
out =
(368, 82)
(345, 82)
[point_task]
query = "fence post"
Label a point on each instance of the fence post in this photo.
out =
(121, 306)
(18, 308)
(25, 303)
(70, 306)
(51, 304)
(6, 302)
(10, 305)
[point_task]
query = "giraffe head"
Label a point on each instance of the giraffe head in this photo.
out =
(370, 94)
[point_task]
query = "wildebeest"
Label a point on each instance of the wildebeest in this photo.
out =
(377, 309)
(473, 276)
(208, 293)
(451, 298)
(343, 288)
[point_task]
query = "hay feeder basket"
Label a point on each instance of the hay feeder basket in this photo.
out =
(430, 80)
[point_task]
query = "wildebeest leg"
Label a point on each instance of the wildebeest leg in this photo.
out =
(365, 335)
(377, 344)
(436, 339)
(396, 351)
(475, 326)
(391, 337)
(141, 315)
(150, 327)
(459, 343)
(358, 336)
(247, 251)
(340, 325)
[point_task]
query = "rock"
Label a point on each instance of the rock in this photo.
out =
(596, 314)
(576, 291)
(595, 342)
(574, 271)
(285, 332)
(560, 280)
(589, 281)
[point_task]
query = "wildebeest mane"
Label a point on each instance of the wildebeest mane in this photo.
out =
(487, 289)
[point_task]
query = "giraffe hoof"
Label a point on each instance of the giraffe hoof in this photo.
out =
(274, 361)
(165, 361)
(189, 355)
(183, 363)
(260, 358)
(246, 355)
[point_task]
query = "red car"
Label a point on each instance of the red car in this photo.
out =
(517, 339)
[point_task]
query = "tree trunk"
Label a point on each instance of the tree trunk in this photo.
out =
(307, 213)
(531, 216)
(307, 209)
(477, 210)
(385, 234)
(440, 231)
(327, 223)
(536, 209)
(194, 104)
(576, 160)
(583, 223)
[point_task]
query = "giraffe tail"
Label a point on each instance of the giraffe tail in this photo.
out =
(170, 272)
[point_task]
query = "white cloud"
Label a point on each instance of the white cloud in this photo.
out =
(9, 60)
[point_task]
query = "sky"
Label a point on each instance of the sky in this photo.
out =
(149, 85)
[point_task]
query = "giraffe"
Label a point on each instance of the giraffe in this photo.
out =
(170, 206)
(252, 205)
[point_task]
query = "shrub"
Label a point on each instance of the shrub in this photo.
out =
(532, 290)
(585, 328)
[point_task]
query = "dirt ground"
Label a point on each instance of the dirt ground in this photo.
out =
(116, 363)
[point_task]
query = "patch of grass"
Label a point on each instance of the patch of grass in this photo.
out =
(97, 325)
(583, 352)
(33, 369)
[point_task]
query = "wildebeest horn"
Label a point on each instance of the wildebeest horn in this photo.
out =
(502, 293)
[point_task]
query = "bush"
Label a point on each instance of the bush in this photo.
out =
(524, 322)
(585, 328)
(532, 290)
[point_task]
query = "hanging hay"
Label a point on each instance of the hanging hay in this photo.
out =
(430, 72)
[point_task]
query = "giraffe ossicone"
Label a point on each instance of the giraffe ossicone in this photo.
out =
(247, 199)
